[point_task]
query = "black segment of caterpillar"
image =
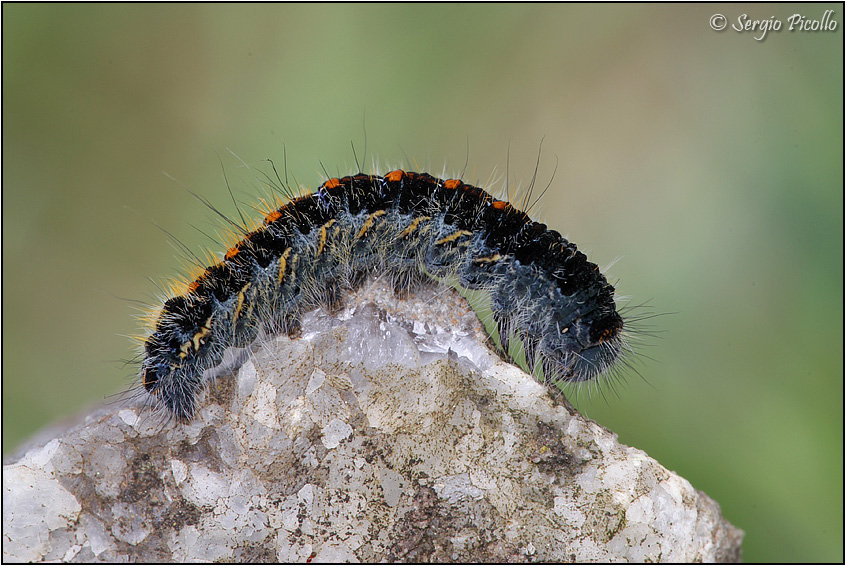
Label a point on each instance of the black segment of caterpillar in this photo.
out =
(412, 227)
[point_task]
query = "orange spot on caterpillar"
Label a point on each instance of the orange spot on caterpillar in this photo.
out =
(272, 217)
(232, 252)
(452, 184)
(332, 183)
(395, 176)
(609, 333)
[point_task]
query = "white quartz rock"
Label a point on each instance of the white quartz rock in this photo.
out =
(386, 432)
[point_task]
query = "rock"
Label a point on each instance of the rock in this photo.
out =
(387, 431)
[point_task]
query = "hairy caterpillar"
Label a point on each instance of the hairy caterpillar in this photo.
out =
(412, 227)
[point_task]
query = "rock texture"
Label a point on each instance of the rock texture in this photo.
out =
(386, 432)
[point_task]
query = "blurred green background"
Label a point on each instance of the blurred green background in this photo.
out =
(709, 163)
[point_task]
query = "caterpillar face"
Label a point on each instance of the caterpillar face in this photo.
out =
(411, 227)
(584, 349)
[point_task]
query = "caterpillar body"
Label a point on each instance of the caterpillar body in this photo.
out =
(413, 228)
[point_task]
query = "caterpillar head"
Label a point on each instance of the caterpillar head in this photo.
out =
(584, 348)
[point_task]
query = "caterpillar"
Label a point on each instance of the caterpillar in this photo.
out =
(413, 228)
